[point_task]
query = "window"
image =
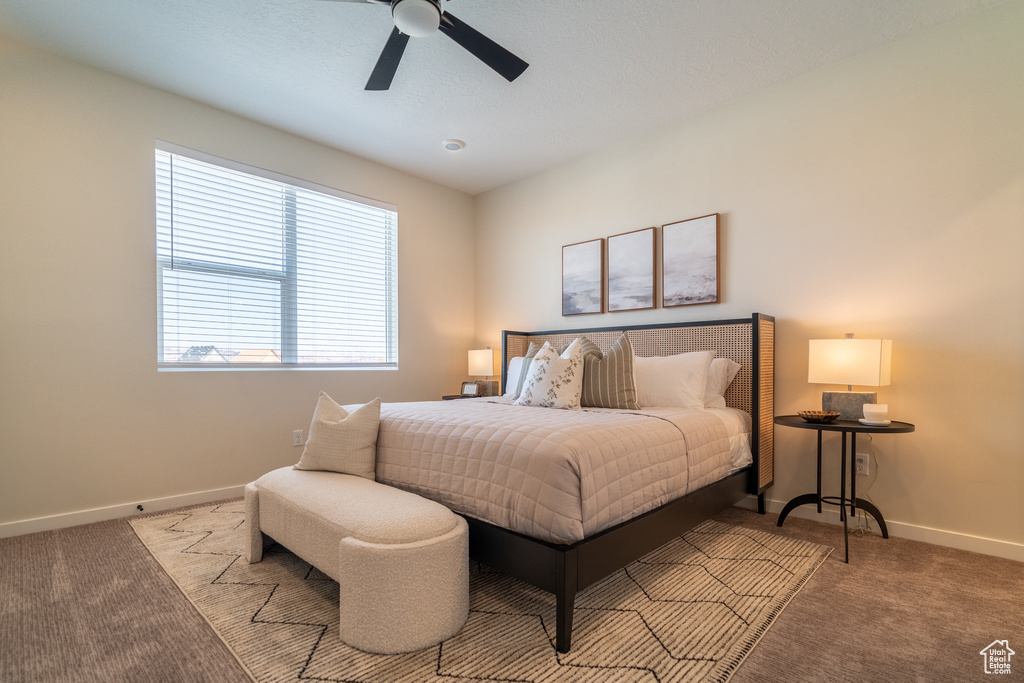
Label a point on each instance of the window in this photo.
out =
(260, 270)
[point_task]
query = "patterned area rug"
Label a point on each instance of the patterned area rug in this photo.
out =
(689, 611)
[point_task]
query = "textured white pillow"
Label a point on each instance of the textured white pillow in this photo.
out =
(340, 441)
(672, 381)
(720, 375)
(554, 381)
(515, 371)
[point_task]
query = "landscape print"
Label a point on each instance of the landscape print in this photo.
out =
(583, 278)
(631, 270)
(690, 262)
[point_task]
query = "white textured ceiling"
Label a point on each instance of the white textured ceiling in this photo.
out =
(600, 70)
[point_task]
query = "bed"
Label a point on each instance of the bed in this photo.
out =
(562, 499)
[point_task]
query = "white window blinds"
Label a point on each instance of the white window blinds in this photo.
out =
(255, 269)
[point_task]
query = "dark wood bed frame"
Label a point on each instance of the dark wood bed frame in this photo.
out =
(566, 569)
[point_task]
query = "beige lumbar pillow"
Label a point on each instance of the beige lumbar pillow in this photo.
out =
(340, 441)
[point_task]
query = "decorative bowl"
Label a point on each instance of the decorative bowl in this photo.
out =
(821, 416)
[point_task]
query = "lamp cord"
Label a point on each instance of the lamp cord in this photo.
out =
(863, 520)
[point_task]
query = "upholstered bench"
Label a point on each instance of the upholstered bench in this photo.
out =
(401, 561)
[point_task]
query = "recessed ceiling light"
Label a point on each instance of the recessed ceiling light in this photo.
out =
(454, 145)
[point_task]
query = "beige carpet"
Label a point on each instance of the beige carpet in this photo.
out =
(690, 611)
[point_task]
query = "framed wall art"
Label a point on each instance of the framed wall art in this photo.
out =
(689, 267)
(583, 278)
(631, 270)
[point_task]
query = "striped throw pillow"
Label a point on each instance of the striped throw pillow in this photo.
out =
(608, 381)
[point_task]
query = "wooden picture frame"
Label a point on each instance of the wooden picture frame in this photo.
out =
(583, 278)
(631, 263)
(689, 262)
(470, 389)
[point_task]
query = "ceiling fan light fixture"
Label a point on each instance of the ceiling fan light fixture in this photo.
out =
(454, 145)
(417, 18)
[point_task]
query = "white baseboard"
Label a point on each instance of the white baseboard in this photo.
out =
(829, 514)
(28, 526)
(950, 539)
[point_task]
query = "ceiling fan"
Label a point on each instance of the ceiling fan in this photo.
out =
(419, 18)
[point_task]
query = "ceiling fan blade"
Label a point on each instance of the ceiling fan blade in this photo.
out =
(387, 63)
(482, 47)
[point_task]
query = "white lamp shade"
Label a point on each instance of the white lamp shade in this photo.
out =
(861, 362)
(481, 363)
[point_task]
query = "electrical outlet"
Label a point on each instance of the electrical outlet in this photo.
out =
(863, 463)
(297, 437)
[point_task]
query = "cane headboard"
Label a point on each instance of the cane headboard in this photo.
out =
(747, 341)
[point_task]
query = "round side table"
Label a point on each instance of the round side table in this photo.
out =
(844, 427)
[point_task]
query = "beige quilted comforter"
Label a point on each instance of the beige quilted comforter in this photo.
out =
(555, 475)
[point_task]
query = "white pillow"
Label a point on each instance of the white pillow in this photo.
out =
(342, 441)
(516, 383)
(720, 375)
(554, 381)
(672, 381)
(515, 371)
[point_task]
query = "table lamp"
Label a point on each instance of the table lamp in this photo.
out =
(860, 362)
(481, 364)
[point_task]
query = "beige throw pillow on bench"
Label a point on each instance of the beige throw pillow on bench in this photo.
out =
(340, 441)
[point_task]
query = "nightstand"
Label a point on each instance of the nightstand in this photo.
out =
(452, 397)
(844, 427)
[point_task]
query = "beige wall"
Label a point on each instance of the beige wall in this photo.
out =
(85, 419)
(882, 196)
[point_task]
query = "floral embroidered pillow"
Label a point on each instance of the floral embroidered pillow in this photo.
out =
(554, 381)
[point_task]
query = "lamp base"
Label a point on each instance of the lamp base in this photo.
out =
(850, 404)
(487, 388)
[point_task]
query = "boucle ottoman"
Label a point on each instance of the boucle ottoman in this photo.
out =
(401, 561)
